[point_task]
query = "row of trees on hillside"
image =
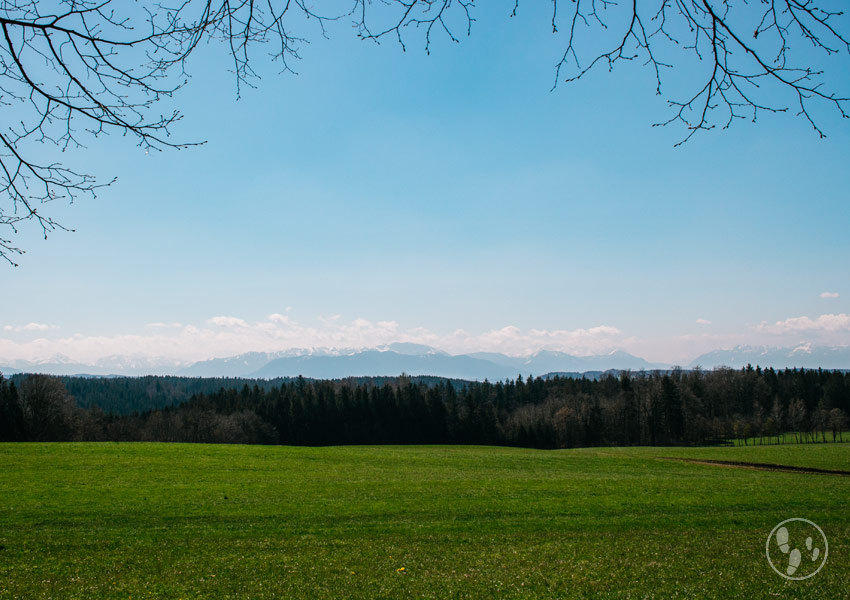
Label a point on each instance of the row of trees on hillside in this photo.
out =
(657, 408)
(128, 395)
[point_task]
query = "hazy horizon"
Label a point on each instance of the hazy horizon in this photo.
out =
(222, 337)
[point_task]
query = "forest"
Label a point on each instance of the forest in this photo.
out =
(677, 407)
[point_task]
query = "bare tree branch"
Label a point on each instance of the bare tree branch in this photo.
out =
(743, 47)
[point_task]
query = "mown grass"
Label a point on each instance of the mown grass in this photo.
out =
(198, 521)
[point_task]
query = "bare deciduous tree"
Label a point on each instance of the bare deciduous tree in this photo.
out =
(48, 410)
(72, 70)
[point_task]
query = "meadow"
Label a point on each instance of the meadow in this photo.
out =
(144, 520)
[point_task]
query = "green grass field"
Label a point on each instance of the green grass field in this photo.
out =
(196, 521)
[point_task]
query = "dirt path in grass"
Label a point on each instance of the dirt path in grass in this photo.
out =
(758, 466)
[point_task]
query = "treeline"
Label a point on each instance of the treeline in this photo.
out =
(654, 408)
(128, 395)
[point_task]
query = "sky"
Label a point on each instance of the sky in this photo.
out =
(453, 199)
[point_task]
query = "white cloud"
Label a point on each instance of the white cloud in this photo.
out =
(29, 327)
(829, 295)
(159, 325)
(227, 322)
(823, 324)
(279, 319)
(600, 330)
(702, 321)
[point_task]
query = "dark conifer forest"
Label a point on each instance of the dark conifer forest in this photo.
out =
(676, 407)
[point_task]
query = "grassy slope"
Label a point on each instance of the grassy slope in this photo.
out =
(194, 521)
(821, 456)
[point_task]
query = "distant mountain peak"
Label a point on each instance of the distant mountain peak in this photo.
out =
(410, 348)
(806, 355)
(807, 348)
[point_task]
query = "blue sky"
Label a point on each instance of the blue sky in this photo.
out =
(447, 196)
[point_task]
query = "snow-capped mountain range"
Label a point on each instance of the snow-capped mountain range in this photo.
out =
(802, 356)
(416, 359)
